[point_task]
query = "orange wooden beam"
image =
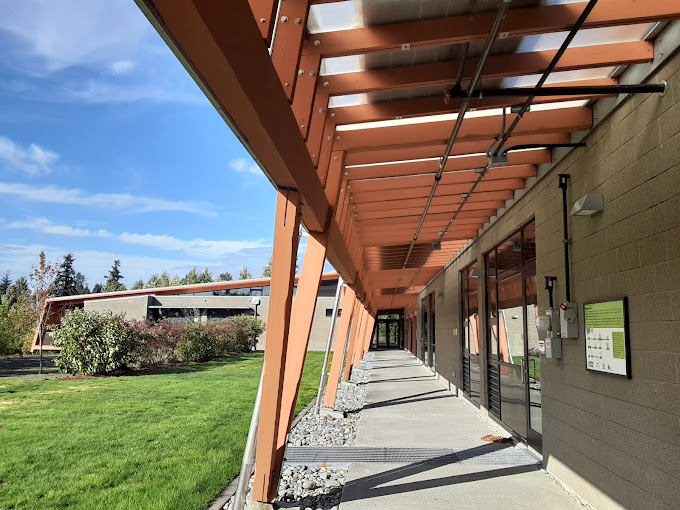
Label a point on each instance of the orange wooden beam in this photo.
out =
(288, 42)
(390, 205)
(264, 12)
(496, 67)
(223, 46)
(564, 120)
(427, 179)
(373, 155)
(414, 211)
(302, 316)
(455, 164)
(339, 348)
(305, 88)
(475, 28)
(286, 238)
(356, 323)
(447, 189)
(435, 105)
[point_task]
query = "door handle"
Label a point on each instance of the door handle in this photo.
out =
(523, 370)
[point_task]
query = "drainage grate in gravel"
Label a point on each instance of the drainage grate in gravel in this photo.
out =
(482, 455)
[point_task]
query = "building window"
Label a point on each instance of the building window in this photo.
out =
(329, 312)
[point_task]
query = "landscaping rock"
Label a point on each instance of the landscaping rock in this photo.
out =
(314, 487)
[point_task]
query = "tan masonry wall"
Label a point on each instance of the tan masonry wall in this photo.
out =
(135, 308)
(615, 441)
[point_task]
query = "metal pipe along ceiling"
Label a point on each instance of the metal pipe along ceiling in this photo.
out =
(505, 136)
(493, 34)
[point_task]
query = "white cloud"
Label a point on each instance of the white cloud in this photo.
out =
(124, 202)
(245, 166)
(32, 159)
(121, 67)
(89, 51)
(202, 248)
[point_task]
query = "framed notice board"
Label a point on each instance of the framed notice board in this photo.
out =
(607, 341)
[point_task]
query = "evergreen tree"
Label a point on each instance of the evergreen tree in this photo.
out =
(139, 284)
(113, 280)
(174, 281)
(20, 287)
(5, 283)
(191, 277)
(225, 277)
(267, 268)
(97, 288)
(81, 284)
(205, 277)
(244, 274)
(65, 279)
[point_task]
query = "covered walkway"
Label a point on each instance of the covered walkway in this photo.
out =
(428, 441)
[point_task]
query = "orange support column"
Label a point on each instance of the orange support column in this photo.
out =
(339, 347)
(300, 328)
(359, 344)
(286, 238)
(368, 335)
(356, 325)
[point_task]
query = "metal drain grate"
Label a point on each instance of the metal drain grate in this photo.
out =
(481, 455)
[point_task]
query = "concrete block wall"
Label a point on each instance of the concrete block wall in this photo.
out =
(615, 441)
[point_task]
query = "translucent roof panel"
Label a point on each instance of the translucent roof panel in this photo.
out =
(329, 17)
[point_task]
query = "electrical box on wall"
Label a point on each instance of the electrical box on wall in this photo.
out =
(549, 324)
(569, 320)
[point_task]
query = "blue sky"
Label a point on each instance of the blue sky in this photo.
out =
(109, 150)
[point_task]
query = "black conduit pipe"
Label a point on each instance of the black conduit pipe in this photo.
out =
(563, 184)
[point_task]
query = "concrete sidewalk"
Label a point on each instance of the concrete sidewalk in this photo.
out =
(436, 458)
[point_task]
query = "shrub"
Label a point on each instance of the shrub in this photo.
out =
(17, 324)
(93, 343)
(196, 344)
(156, 341)
(245, 333)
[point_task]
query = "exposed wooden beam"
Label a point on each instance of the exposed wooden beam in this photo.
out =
(475, 28)
(288, 42)
(456, 164)
(373, 155)
(444, 201)
(435, 105)
(264, 12)
(496, 67)
(447, 189)
(223, 47)
(501, 174)
(473, 129)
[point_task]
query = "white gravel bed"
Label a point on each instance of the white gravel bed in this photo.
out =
(316, 430)
(312, 487)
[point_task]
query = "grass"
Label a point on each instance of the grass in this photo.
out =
(172, 439)
(534, 366)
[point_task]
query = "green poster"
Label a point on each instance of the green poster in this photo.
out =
(605, 328)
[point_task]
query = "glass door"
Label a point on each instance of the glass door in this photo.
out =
(425, 317)
(514, 388)
(432, 360)
(470, 333)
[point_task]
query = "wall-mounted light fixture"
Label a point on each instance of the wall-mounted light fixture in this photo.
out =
(587, 205)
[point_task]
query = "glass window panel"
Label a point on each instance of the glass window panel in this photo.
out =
(511, 319)
(473, 275)
(509, 254)
(473, 323)
(529, 242)
(492, 304)
(534, 358)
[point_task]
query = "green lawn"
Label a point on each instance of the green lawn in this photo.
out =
(534, 366)
(168, 440)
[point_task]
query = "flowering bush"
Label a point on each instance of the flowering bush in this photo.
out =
(93, 343)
